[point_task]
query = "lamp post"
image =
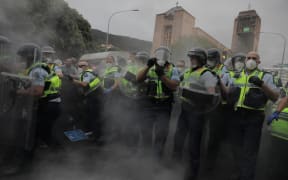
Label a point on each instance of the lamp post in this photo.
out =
(108, 28)
(284, 46)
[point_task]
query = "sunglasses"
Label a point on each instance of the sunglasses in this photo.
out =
(80, 66)
(254, 58)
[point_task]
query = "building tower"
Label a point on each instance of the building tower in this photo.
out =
(246, 32)
(171, 26)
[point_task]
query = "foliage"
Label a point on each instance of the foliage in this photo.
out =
(54, 23)
(46, 22)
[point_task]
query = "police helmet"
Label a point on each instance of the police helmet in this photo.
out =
(238, 57)
(238, 61)
(142, 55)
(48, 49)
(30, 52)
(200, 54)
(214, 55)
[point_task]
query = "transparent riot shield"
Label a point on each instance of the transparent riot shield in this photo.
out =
(197, 100)
(17, 127)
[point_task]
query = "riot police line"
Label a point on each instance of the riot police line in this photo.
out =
(133, 104)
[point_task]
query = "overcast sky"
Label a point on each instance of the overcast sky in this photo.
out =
(214, 16)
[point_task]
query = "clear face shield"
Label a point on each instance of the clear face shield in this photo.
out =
(162, 55)
(238, 63)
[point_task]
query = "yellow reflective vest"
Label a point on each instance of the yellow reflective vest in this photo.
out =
(93, 84)
(156, 88)
(52, 81)
(279, 128)
(250, 97)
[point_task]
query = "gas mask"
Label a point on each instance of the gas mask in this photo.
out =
(162, 55)
(251, 64)
(239, 66)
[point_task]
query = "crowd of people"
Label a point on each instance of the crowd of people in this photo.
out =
(131, 103)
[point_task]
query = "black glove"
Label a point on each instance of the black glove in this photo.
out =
(256, 81)
(159, 71)
(151, 62)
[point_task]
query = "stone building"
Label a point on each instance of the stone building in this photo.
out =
(176, 24)
(246, 32)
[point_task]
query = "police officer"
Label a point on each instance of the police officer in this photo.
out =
(93, 93)
(281, 106)
(214, 61)
(180, 65)
(131, 91)
(190, 121)
(253, 88)
(48, 56)
(216, 124)
(110, 84)
(111, 75)
(48, 53)
(162, 79)
(45, 87)
(219, 119)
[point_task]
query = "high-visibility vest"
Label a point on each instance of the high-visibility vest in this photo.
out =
(157, 89)
(279, 128)
(109, 76)
(130, 88)
(52, 81)
(195, 75)
(192, 78)
(246, 100)
(218, 69)
(94, 83)
(52, 69)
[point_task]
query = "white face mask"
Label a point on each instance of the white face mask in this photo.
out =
(251, 64)
(239, 66)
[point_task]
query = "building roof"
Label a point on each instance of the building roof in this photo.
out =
(248, 13)
(173, 10)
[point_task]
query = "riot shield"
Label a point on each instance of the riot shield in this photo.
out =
(16, 113)
(199, 101)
